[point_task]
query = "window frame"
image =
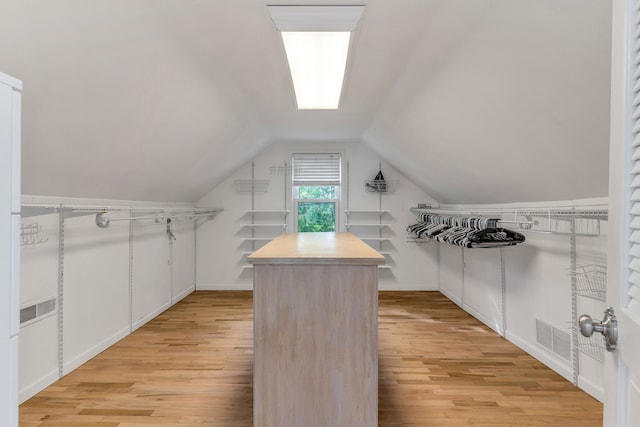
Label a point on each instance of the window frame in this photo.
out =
(295, 194)
(297, 200)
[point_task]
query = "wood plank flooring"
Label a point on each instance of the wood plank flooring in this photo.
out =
(192, 366)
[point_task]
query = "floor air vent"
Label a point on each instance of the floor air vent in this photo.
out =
(553, 339)
(35, 311)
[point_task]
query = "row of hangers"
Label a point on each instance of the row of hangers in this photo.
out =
(469, 232)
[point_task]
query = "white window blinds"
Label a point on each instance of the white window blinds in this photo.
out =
(316, 169)
(634, 252)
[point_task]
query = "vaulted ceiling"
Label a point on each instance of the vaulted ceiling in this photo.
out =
(476, 101)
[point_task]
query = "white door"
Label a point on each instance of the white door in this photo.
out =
(9, 247)
(622, 367)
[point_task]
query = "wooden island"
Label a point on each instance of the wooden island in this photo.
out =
(315, 304)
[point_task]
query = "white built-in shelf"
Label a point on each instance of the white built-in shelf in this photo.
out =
(384, 267)
(368, 225)
(284, 212)
(262, 229)
(386, 253)
(378, 212)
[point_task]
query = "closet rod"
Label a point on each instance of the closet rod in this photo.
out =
(34, 209)
(164, 215)
(103, 222)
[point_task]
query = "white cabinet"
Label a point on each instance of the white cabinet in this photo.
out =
(9, 247)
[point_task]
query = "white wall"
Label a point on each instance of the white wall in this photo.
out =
(538, 286)
(220, 243)
(100, 306)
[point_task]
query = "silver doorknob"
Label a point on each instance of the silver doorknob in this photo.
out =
(608, 327)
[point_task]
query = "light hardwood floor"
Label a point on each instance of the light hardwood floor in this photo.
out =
(192, 366)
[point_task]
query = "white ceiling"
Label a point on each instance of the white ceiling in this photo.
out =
(476, 101)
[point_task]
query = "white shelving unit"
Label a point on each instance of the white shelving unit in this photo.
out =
(378, 212)
(360, 223)
(265, 224)
(263, 232)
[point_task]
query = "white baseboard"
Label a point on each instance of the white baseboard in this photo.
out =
(249, 287)
(452, 297)
(94, 351)
(36, 387)
(596, 391)
(493, 324)
(406, 287)
(222, 287)
(560, 366)
(182, 295)
(149, 316)
(32, 389)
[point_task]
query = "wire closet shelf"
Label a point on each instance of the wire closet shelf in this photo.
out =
(569, 221)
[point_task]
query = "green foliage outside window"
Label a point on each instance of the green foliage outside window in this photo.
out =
(316, 216)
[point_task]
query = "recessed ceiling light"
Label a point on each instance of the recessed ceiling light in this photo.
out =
(316, 41)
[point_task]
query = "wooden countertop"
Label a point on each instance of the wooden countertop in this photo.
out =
(316, 248)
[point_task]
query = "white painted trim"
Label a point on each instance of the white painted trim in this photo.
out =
(315, 18)
(560, 366)
(150, 316)
(37, 386)
(94, 351)
(409, 287)
(596, 391)
(484, 319)
(11, 81)
(223, 287)
(249, 287)
(183, 295)
(453, 298)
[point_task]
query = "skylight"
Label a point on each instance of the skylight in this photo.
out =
(316, 41)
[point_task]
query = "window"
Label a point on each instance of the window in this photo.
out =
(316, 191)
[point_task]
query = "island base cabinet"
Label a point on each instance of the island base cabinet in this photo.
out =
(315, 345)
